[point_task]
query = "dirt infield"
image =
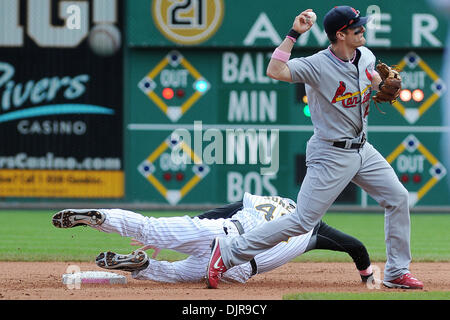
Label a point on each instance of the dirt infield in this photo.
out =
(43, 280)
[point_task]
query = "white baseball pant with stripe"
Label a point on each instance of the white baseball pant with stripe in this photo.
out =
(193, 236)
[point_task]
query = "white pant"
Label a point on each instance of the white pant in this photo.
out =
(187, 235)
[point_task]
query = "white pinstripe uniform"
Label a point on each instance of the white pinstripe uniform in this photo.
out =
(193, 236)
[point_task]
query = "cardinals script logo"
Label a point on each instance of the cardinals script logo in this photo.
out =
(352, 99)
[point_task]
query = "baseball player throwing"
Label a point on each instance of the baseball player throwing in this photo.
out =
(339, 81)
(193, 236)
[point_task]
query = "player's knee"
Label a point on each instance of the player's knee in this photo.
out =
(396, 199)
(402, 197)
(305, 227)
(307, 223)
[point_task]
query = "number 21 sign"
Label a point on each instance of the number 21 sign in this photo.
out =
(187, 21)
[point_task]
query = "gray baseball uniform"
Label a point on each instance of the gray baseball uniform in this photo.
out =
(339, 97)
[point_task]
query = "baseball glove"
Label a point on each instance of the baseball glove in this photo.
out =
(390, 85)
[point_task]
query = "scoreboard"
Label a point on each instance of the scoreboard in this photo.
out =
(231, 112)
(204, 123)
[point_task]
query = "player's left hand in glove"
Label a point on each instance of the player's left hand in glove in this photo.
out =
(390, 85)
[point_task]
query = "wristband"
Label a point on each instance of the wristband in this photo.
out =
(294, 34)
(281, 55)
(292, 38)
(366, 272)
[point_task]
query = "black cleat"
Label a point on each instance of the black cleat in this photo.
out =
(77, 217)
(135, 261)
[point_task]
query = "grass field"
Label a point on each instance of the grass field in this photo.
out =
(30, 236)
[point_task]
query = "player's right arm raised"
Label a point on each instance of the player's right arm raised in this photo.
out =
(277, 68)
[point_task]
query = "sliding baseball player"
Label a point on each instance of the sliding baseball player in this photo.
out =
(193, 236)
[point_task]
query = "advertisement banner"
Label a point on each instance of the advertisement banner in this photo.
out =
(61, 99)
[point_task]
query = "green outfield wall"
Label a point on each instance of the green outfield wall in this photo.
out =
(202, 123)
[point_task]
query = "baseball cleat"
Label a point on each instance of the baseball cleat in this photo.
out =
(135, 261)
(216, 267)
(77, 217)
(406, 281)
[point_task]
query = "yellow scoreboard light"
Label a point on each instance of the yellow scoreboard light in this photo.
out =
(305, 99)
